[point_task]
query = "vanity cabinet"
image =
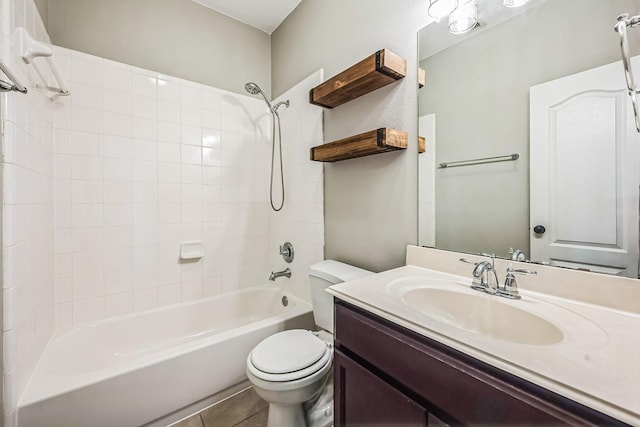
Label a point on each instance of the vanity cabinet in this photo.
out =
(385, 374)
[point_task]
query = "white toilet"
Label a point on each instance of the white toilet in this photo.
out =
(291, 367)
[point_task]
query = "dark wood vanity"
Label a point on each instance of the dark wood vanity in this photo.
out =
(387, 375)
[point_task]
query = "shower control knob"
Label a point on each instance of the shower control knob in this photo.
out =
(539, 229)
(286, 251)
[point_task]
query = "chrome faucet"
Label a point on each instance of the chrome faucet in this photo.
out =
(516, 255)
(510, 288)
(485, 279)
(284, 273)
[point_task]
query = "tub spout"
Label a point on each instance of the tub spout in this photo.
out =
(275, 274)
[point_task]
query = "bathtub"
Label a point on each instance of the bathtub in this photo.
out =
(137, 368)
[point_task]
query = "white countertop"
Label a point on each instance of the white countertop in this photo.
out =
(597, 363)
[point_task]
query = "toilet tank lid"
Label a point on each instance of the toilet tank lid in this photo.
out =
(337, 272)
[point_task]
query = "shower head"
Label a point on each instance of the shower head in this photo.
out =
(254, 89)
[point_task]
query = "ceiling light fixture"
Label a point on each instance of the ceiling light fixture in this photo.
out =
(439, 9)
(464, 18)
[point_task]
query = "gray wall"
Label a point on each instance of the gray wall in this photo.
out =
(43, 10)
(371, 202)
(176, 37)
(479, 91)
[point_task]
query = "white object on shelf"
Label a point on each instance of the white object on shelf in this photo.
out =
(191, 250)
(29, 50)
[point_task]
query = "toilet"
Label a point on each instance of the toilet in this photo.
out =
(291, 367)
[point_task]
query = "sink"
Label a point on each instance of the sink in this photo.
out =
(483, 314)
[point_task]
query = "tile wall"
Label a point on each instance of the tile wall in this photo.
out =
(28, 210)
(144, 162)
(301, 220)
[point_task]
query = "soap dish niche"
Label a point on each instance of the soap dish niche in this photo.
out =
(191, 251)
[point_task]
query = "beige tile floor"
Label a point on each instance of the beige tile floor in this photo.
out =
(245, 409)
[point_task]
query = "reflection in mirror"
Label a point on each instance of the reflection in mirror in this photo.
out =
(532, 81)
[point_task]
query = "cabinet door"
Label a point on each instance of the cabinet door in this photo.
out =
(363, 399)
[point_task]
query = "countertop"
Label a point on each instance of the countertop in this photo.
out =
(597, 363)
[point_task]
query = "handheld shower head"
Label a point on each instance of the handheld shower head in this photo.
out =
(254, 89)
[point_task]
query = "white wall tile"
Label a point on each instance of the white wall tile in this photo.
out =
(144, 128)
(117, 124)
(169, 111)
(169, 172)
(85, 69)
(145, 85)
(118, 192)
(86, 286)
(169, 294)
(191, 135)
(144, 299)
(118, 304)
(191, 155)
(117, 169)
(146, 161)
(168, 89)
(118, 214)
(116, 78)
(118, 281)
(88, 310)
(169, 132)
(191, 95)
(87, 119)
(144, 106)
(117, 101)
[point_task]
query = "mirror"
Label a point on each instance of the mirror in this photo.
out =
(500, 90)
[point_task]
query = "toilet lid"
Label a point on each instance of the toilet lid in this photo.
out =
(288, 351)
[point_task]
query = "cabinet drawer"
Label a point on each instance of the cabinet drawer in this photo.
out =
(472, 391)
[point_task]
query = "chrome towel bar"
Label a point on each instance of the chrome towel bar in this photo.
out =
(13, 84)
(496, 159)
(31, 49)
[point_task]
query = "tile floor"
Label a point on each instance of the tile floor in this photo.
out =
(244, 409)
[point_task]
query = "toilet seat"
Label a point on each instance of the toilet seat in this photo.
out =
(289, 356)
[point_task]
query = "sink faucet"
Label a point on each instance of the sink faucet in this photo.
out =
(275, 274)
(485, 279)
(510, 288)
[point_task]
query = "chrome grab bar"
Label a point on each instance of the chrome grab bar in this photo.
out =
(624, 22)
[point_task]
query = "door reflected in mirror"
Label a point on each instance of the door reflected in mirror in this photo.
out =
(532, 81)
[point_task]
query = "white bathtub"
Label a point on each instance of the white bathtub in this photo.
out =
(137, 368)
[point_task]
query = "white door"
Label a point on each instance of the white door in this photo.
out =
(584, 172)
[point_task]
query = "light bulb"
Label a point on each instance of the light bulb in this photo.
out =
(464, 18)
(439, 9)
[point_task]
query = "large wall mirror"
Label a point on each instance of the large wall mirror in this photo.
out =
(532, 84)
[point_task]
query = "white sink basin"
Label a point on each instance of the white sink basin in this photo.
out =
(527, 321)
(483, 314)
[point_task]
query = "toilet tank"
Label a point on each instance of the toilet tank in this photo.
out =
(323, 275)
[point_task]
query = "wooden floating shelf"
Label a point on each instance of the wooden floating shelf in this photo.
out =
(365, 144)
(380, 69)
(422, 144)
(422, 78)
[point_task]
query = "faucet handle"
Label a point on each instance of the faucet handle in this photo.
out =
(510, 288)
(468, 261)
